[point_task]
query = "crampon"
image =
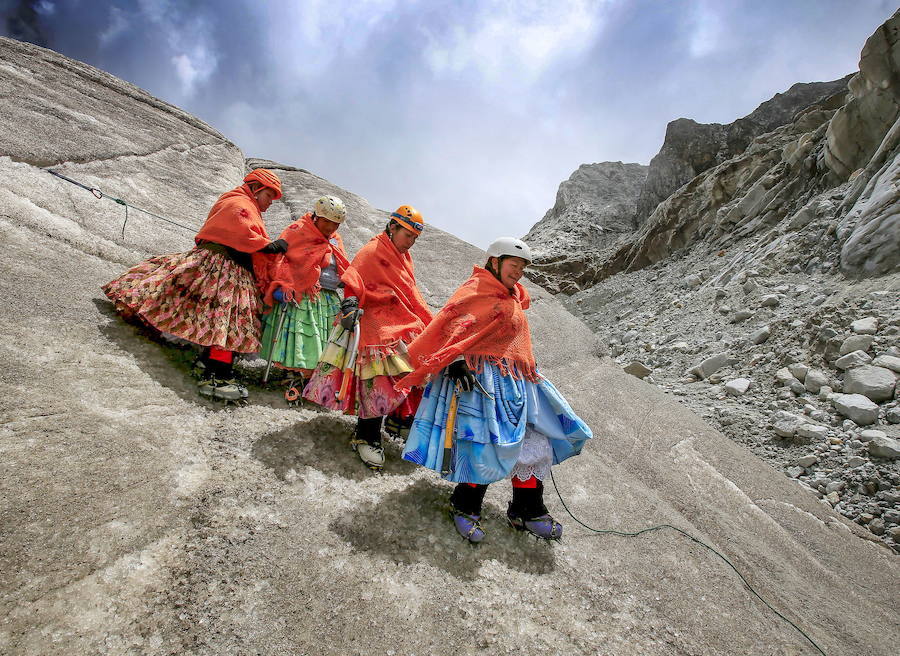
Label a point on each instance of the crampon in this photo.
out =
(228, 391)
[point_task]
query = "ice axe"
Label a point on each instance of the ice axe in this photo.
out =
(275, 336)
(447, 459)
(349, 361)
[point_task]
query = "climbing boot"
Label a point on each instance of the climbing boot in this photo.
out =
(468, 526)
(372, 455)
(542, 526)
(367, 442)
(223, 390)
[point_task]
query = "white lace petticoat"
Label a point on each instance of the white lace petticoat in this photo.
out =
(535, 458)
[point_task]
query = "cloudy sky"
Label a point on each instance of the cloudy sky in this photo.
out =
(473, 111)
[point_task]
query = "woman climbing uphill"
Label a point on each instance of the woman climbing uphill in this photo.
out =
(382, 312)
(487, 414)
(305, 283)
(208, 295)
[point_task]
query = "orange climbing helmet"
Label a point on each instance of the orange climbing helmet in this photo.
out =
(410, 218)
(266, 178)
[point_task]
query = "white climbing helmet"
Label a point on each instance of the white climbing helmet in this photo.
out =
(331, 208)
(510, 246)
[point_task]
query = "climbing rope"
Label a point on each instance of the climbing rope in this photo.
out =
(627, 534)
(100, 194)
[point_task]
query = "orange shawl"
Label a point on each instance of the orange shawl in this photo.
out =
(298, 270)
(385, 284)
(235, 221)
(483, 321)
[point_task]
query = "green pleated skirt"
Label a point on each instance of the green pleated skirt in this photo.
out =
(304, 333)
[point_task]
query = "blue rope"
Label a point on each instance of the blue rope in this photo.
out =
(100, 194)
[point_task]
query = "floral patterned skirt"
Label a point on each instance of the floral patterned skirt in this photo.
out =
(200, 296)
(371, 390)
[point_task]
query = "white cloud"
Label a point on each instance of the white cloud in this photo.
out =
(118, 24)
(311, 35)
(709, 33)
(194, 68)
(515, 41)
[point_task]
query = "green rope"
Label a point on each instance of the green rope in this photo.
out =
(692, 539)
(100, 194)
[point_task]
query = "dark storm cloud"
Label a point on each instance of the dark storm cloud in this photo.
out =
(473, 111)
(23, 21)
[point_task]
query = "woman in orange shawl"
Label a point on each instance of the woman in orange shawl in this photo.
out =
(208, 295)
(380, 289)
(304, 285)
(504, 420)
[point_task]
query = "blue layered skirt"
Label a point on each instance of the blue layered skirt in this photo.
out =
(525, 428)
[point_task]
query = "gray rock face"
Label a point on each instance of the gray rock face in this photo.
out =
(594, 208)
(150, 522)
(863, 136)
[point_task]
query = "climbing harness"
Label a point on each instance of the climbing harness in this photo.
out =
(690, 537)
(100, 194)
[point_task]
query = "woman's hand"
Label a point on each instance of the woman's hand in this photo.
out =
(277, 246)
(460, 374)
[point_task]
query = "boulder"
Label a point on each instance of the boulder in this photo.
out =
(870, 434)
(712, 364)
(856, 343)
(854, 359)
(760, 335)
(808, 460)
(885, 447)
(856, 407)
(876, 383)
(891, 362)
(815, 380)
(867, 326)
(741, 315)
(738, 386)
(770, 300)
(785, 377)
(638, 370)
(798, 370)
(786, 424)
(812, 431)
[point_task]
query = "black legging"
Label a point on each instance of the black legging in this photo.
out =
(369, 430)
(527, 503)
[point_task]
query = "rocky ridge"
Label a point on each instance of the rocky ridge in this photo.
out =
(690, 148)
(594, 209)
(765, 293)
